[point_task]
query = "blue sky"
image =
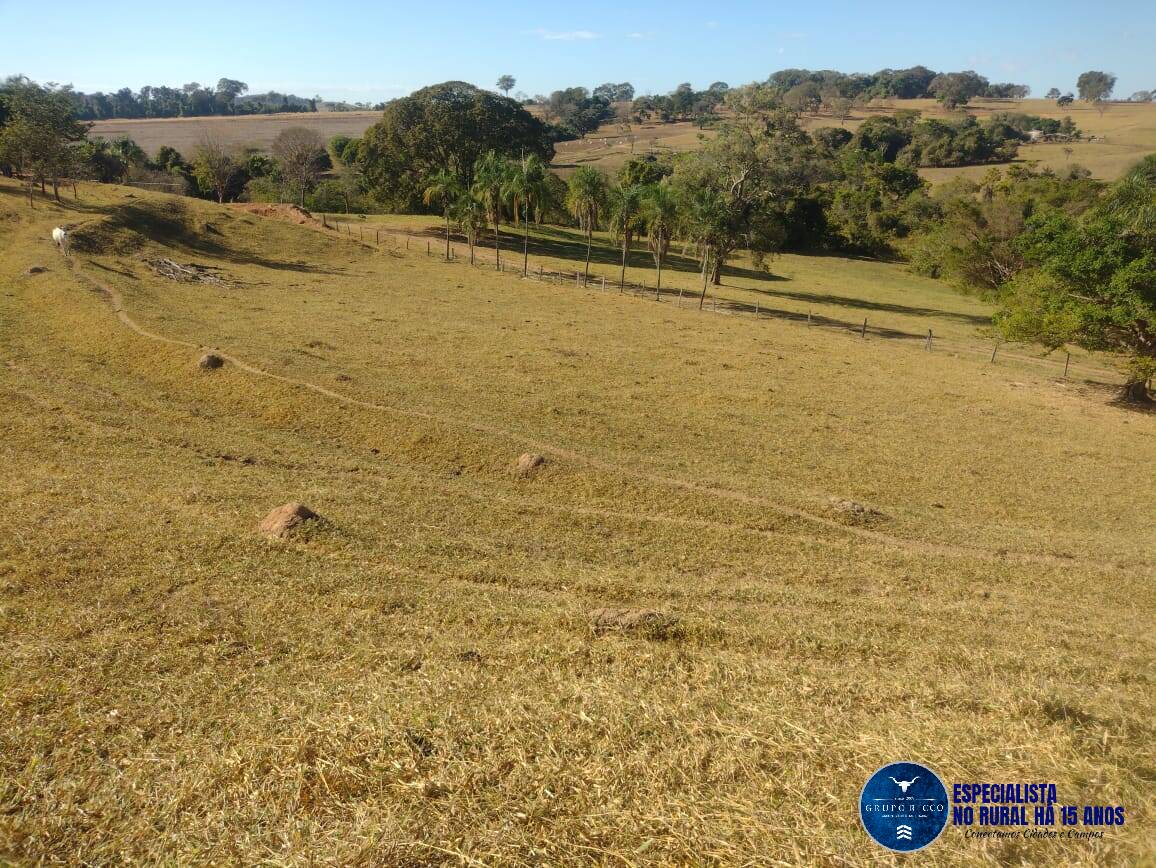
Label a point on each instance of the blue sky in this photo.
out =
(376, 51)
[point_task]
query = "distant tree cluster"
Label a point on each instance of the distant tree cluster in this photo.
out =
(229, 97)
(39, 136)
(622, 92)
(574, 111)
(681, 104)
(910, 140)
(1066, 260)
(805, 89)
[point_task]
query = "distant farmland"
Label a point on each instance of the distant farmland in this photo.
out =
(1124, 133)
(256, 131)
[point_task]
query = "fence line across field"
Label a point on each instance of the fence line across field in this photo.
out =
(930, 342)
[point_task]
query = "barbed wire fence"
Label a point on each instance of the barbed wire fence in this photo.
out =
(1061, 364)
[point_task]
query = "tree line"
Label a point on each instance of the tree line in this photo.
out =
(228, 97)
(1066, 259)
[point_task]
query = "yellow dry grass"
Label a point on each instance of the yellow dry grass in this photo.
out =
(415, 682)
(242, 131)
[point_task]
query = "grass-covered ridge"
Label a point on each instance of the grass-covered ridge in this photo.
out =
(416, 682)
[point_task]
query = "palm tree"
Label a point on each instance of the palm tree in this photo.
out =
(660, 209)
(1133, 197)
(445, 189)
(526, 189)
(490, 173)
(585, 199)
(625, 207)
(469, 215)
(706, 214)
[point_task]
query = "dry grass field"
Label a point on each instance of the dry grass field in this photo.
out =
(415, 680)
(245, 131)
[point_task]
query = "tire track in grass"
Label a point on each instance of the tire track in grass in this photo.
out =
(116, 302)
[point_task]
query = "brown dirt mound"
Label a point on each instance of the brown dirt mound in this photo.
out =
(289, 213)
(527, 464)
(284, 519)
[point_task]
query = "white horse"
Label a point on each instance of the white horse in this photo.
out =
(60, 236)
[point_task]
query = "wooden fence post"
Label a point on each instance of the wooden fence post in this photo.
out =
(929, 340)
(1067, 362)
(994, 350)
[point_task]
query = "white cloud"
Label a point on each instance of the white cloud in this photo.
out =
(564, 35)
(637, 35)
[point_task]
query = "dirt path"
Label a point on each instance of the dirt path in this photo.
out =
(866, 534)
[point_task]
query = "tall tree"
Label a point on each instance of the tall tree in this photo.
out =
(214, 168)
(660, 209)
(129, 152)
(954, 89)
(443, 189)
(301, 154)
(490, 176)
(705, 212)
(1094, 85)
(506, 83)
(624, 207)
(228, 89)
(446, 126)
(526, 189)
(469, 215)
(586, 200)
(741, 182)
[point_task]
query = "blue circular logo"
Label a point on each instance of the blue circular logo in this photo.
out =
(903, 806)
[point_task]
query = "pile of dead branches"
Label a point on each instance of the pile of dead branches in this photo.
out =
(188, 273)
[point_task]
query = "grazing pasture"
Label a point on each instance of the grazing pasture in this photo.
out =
(416, 677)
